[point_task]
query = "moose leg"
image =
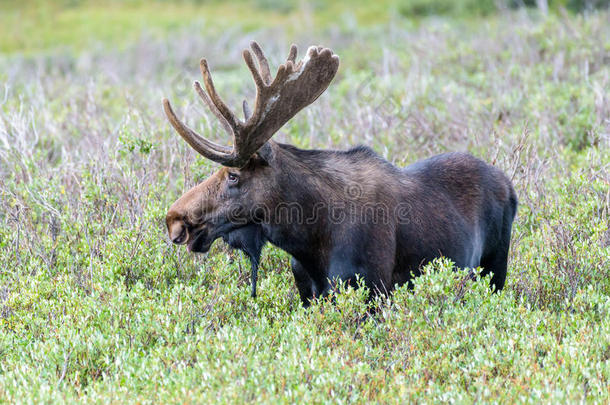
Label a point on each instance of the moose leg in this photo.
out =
(496, 262)
(303, 281)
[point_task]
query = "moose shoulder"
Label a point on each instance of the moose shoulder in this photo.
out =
(338, 213)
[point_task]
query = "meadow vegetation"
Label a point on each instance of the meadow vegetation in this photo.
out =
(97, 305)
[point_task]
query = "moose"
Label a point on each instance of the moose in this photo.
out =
(357, 216)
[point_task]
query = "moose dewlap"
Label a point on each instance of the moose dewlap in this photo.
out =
(338, 213)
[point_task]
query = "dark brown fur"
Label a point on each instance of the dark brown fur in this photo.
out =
(453, 205)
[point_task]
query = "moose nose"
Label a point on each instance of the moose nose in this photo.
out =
(177, 232)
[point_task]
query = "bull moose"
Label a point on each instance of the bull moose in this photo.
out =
(355, 214)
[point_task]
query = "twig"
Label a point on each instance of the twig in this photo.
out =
(64, 368)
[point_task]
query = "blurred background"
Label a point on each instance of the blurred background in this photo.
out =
(33, 25)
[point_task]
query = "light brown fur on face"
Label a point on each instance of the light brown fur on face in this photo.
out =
(190, 211)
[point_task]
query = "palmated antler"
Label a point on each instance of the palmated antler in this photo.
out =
(295, 86)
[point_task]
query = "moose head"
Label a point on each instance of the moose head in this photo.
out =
(220, 204)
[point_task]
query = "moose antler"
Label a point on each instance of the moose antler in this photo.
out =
(295, 86)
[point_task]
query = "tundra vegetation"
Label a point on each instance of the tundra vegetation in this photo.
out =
(96, 304)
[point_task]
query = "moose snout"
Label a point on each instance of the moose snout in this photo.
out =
(177, 232)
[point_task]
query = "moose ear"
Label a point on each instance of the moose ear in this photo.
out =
(265, 154)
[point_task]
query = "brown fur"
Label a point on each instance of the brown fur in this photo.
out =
(457, 206)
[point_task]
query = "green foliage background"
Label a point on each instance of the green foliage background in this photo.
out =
(97, 305)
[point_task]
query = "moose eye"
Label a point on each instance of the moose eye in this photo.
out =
(232, 178)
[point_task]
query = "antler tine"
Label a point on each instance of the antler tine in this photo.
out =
(247, 111)
(220, 105)
(292, 55)
(256, 75)
(204, 147)
(263, 64)
(212, 107)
